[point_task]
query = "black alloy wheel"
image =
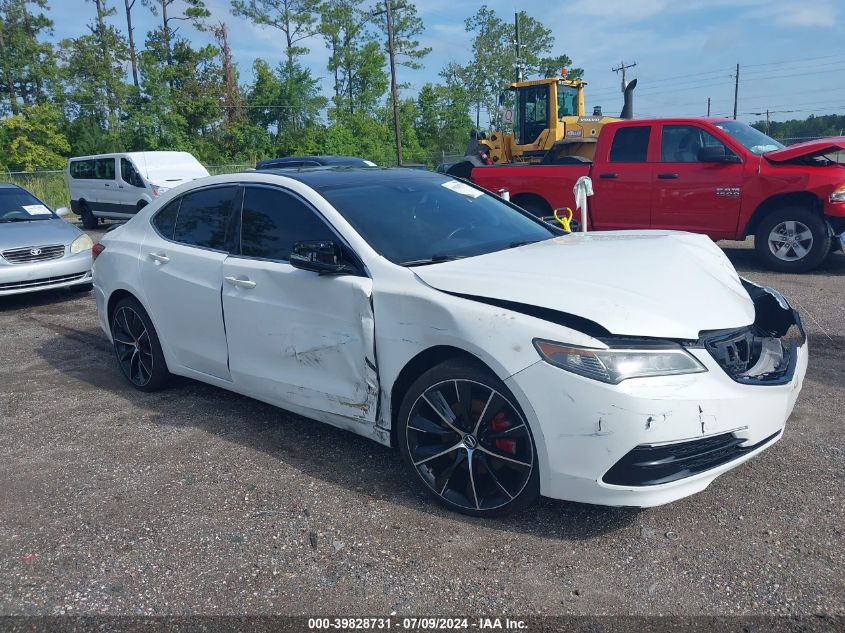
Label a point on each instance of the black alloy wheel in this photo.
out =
(469, 443)
(137, 347)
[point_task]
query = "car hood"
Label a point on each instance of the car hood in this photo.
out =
(37, 233)
(637, 283)
(809, 149)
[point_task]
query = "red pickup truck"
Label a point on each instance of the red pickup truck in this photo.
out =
(719, 177)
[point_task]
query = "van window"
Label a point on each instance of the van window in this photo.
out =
(129, 174)
(272, 221)
(165, 220)
(104, 169)
(82, 169)
(630, 144)
(203, 217)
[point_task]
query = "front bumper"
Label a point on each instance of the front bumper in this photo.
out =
(70, 270)
(583, 428)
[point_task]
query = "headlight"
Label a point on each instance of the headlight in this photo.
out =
(838, 194)
(81, 243)
(157, 191)
(622, 361)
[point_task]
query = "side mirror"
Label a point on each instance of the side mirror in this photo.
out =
(323, 257)
(62, 212)
(715, 154)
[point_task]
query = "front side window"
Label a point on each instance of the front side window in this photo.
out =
(630, 144)
(128, 173)
(203, 217)
(567, 101)
(272, 221)
(681, 143)
(104, 169)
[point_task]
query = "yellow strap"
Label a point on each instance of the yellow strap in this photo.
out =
(564, 222)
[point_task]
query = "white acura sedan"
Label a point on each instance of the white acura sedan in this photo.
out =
(504, 358)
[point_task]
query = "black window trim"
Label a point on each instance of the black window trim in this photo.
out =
(229, 242)
(362, 271)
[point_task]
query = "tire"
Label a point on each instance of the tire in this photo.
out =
(89, 221)
(82, 288)
(137, 347)
(792, 240)
(466, 463)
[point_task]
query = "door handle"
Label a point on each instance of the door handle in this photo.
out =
(607, 175)
(107, 184)
(161, 258)
(667, 176)
(241, 282)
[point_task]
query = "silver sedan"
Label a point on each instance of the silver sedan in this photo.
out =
(38, 249)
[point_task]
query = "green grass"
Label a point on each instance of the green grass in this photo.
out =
(51, 187)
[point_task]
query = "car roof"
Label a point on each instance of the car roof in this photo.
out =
(323, 159)
(10, 185)
(321, 178)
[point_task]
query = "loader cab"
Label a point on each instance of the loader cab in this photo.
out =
(545, 105)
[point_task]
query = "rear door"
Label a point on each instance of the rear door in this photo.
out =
(182, 273)
(296, 337)
(622, 181)
(690, 195)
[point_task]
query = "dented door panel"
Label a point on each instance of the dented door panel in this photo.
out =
(301, 339)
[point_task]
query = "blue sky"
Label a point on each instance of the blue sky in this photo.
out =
(790, 52)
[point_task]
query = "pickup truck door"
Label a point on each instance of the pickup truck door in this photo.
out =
(622, 180)
(690, 195)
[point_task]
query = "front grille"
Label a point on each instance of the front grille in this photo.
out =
(652, 465)
(29, 254)
(44, 281)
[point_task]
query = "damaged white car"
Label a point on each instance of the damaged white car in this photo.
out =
(503, 358)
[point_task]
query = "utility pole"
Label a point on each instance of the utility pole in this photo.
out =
(623, 67)
(394, 93)
(736, 90)
(708, 106)
(518, 43)
(767, 120)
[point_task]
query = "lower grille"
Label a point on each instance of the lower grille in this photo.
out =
(44, 281)
(652, 465)
(29, 254)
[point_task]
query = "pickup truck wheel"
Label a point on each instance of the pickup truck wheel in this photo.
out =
(89, 220)
(792, 240)
(534, 207)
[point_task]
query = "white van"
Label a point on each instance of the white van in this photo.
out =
(119, 185)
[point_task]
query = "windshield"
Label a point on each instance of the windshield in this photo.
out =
(751, 138)
(18, 205)
(567, 101)
(421, 219)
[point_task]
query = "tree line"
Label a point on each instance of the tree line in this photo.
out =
(114, 89)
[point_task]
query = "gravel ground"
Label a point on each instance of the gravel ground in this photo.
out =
(196, 500)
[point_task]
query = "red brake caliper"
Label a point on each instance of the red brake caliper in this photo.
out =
(499, 423)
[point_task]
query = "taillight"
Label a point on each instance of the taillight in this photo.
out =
(96, 250)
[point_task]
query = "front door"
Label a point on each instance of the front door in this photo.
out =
(182, 271)
(296, 337)
(690, 195)
(622, 182)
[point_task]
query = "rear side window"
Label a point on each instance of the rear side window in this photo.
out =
(104, 169)
(165, 220)
(630, 144)
(203, 217)
(82, 169)
(273, 220)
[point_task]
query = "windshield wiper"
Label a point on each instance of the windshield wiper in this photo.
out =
(18, 220)
(434, 259)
